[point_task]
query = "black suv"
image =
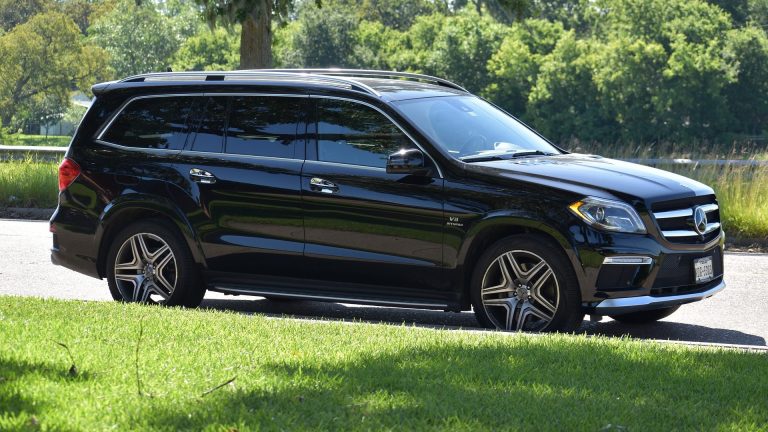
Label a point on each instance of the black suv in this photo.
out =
(370, 187)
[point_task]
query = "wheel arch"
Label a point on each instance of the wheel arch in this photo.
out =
(129, 209)
(497, 226)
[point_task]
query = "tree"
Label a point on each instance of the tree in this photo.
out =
(748, 95)
(255, 17)
(45, 58)
(209, 50)
(15, 12)
(319, 39)
(457, 47)
(139, 39)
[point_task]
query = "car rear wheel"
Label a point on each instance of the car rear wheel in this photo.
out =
(644, 317)
(149, 263)
(525, 283)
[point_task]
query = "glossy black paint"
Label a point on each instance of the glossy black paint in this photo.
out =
(376, 237)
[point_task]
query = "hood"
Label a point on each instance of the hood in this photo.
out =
(588, 174)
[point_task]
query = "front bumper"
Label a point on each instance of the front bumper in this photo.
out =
(632, 304)
(627, 273)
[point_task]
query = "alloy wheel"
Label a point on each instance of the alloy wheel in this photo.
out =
(520, 292)
(145, 269)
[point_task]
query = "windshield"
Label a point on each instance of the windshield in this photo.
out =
(471, 129)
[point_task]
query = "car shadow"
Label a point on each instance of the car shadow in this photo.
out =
(663, 330)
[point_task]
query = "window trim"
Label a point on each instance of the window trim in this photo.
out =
(104, 128)
(310, 96)
(119, 111)
(413, 141)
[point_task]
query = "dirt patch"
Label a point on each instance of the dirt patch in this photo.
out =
(25, 213)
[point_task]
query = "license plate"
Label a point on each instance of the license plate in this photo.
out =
(703, 269)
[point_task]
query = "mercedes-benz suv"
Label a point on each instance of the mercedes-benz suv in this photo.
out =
(370, 187)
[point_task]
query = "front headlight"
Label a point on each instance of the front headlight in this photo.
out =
(608, 215)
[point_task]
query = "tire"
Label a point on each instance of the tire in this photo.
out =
(644, 317)
(150, 254)
(540, 297)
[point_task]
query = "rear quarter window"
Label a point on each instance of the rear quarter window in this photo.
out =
(153, 123)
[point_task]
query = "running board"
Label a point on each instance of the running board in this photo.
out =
(234, 290)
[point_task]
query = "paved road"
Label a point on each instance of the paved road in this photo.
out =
(738, 315)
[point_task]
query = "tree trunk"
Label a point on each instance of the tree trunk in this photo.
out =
(256, 39)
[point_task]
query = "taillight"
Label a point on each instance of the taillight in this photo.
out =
(68, 172)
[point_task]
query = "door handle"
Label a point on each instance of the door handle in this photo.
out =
(201, 176)
(322, 185)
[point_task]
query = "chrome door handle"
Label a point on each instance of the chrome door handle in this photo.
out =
(322, 185)
(201, 176)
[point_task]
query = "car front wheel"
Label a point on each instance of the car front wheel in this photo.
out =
(525, 283)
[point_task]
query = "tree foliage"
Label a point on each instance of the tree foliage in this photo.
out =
(42, 61)
(137, 37)
(590, 70)
(216, 49)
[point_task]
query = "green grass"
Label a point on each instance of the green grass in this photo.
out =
(35, 140)
(28, 183)
(294, 375)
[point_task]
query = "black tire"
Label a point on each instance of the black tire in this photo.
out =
(187, 288)
(560, 287)
(644, 317)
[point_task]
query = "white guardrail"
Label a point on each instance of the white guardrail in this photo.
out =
(53, 154)
(56, 153)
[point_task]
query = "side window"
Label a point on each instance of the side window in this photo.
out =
(263, 125)
(352, 133)
(212, 119)
(153, 122)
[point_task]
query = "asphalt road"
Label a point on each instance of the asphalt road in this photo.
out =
(738, 315)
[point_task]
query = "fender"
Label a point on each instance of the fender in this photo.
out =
(527, 221)
(151, 203)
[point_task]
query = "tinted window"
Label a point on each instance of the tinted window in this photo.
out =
(352, 133)
(263, 126)
(157, 122)
(212, 119)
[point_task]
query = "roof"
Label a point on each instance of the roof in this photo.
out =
(386, 85)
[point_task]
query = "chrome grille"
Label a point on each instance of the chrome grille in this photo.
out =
(675, 220)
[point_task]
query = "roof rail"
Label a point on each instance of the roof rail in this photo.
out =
(363, 73)
(250, 75)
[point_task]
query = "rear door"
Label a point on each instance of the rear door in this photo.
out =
(243, 164)
(369, 233)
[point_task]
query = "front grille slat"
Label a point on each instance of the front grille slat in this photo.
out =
(691, 233)
(675, 219)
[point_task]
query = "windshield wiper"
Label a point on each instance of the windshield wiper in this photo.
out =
(483, 157)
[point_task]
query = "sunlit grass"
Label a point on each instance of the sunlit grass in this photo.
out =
(35, 140)
(28, 183)
(153, 368)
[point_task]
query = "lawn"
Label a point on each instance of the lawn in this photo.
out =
(28, 183)
(296, 375)
(35, 140)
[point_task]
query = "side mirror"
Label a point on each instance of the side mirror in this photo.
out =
(407, 161)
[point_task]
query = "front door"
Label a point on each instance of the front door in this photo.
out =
(369, 233)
